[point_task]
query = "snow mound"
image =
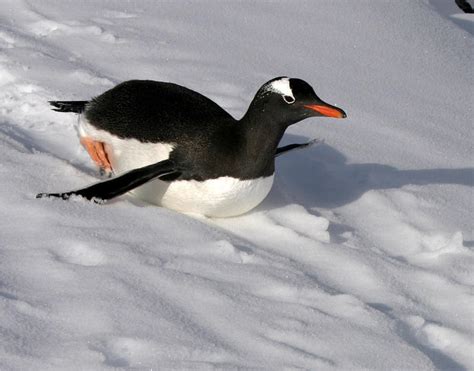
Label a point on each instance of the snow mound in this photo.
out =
(362, 255)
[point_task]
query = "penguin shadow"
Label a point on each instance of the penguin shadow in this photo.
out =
(321, 176)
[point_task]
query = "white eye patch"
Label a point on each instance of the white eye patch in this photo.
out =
(282, 86)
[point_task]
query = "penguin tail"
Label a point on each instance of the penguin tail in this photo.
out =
(77, 106)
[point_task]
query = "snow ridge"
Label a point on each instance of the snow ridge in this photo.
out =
(360, 257)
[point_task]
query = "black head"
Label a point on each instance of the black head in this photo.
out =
(286, 101)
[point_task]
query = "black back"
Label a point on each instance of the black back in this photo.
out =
(153, 111)
(208, 141)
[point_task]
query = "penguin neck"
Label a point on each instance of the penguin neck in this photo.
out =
(262, 132)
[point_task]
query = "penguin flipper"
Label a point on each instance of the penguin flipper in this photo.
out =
(290, 147)
(77, 106)
(114, 187)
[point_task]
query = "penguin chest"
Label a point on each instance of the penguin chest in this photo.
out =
(220, 197)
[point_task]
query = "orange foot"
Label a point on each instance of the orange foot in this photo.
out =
(97, 152)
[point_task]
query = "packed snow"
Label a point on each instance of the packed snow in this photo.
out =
(362, 255)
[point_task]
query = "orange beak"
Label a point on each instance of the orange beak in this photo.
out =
(328, 111)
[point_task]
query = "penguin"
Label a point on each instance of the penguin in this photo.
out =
(171, 146)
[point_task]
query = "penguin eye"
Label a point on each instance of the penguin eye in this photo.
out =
(288, 99)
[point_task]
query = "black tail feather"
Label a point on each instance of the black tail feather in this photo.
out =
(77, 106)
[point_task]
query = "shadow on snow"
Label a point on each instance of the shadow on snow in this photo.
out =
(327, 180)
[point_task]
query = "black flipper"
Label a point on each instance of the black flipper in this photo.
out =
(290, 147)
(77, 106)
(110, 188)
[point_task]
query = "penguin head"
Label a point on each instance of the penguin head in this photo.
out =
(288, 100)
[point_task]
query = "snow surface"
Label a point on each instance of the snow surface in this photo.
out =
(361, 256)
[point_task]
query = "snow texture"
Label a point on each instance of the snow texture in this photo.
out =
(361, 257)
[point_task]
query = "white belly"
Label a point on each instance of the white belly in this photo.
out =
(220, 197)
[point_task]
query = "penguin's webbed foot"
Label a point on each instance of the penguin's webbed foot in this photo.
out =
(97, 151)
(105, 173)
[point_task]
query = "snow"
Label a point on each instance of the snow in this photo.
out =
(360, 257)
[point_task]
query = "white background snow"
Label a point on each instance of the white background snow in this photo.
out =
(361, 256)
